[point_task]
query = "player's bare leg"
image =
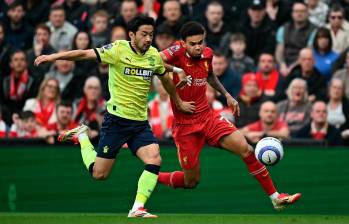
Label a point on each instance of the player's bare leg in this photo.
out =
(236, 143)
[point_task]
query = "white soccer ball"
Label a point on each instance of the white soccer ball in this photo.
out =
(269, 151)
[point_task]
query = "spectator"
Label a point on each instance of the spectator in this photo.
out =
(41, 46)
(164, 37)
(64, 114)
(278, 11)
(36, 11)
(70, 81)
(229, 79)
(2, 126)
(118, 33)
(317, 12)
(16, 87)
(62, 31)
(323, 53)
(91, 107)
(150, 8)
(268, 125)
(77, 13)
(193, 9)
(258, 30)
(239, 61)
(316, 83)
(44, 105)
(99, 31)
(250, 100)
(160, 113)
(173, 16)
(293, 36)
(343, 74)
(19, 32)
(338, 106)
(295, 110)
(216, 28)
(319, 128)
(5, 51)
(128, 10)
(83, 41)
(216, 106)
(269, 80)
(339, 28)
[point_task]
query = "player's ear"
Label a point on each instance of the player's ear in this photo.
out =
(183, 43)
(131, 34)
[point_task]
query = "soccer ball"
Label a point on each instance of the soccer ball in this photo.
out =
(269, 151)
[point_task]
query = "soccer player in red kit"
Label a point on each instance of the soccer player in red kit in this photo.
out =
(191, 60)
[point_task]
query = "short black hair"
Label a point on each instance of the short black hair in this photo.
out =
(190, 29)
(15, 4)
(16, 52)
(25, 115)
(138, 21)
(64, 103)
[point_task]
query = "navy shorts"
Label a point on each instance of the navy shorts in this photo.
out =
(116, 131)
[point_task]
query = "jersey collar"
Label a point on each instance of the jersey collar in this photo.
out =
(134, 50)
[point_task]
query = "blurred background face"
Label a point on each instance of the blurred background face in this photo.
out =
(306, 60)
(118, 33)
(57, 18)
(16, 14)
(214, 14)
(100, 23)
(266, 63)
(312, 3)
(319, 113)
(64, 115)
(297, 92)
(268, 113)
(219, 65)
(29, 124)
(256, 15)
(336, 89)
(92, 89)
(18, 62)
(82, 41)
(164, 41)
(42, 36)
(51, 89)
(323, 43)
(64, 66)
(299, 13)
(238, 47)
(336, 19)
(172, 11)
(250, 88)
(128, 10)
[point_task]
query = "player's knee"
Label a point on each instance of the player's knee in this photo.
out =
(100, 175)
(154, 159)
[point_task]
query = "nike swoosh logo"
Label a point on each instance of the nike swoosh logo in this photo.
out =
(189, 65)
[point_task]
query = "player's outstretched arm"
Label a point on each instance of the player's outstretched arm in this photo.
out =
(186, 107)
(170, 68)
(217, 85)
(74, 55)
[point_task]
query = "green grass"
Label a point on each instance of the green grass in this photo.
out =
(77, 218)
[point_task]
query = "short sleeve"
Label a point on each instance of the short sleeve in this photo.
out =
(108, 53)
(170, 53)
(280, 35)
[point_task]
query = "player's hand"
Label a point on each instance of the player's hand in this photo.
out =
(233, 104)
(182, 79)
(43, 59)
(186, 107)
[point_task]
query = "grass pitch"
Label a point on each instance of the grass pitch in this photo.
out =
(77, 218)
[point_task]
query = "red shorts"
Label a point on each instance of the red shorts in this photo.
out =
(190, 138)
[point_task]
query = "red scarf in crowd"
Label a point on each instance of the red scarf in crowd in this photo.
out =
(17, 89)
(318, 134)
(43, 114)
(268, 84)
(155, 119)
(83, 112)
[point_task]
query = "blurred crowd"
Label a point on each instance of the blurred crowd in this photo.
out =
(286, 62)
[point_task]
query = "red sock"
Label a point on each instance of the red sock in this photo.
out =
(174, 179)
(260, 172)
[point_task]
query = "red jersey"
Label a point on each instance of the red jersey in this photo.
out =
(258, 126)
(197, 70)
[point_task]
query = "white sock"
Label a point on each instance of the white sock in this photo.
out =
(137, 205)
(82, 136)
(274, 196)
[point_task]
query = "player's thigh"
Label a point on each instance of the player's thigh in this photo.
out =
(102, 167)
(149, 154)
(236, 143)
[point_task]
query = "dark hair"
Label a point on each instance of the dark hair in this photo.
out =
(235, 37)
(64, 103)
(43, 26)
(325, 33)
(15, 4)
(74, 47)
(190, 29)
(138, 21)
(16, 52)
(266, 53)
(25, 115)
(337, 8)
(57, 8)
(219, 54)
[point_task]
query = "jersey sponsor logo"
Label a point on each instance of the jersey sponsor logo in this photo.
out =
(145, 73)
(196, 82)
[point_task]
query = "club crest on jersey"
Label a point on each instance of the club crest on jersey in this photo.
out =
(145, 73)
